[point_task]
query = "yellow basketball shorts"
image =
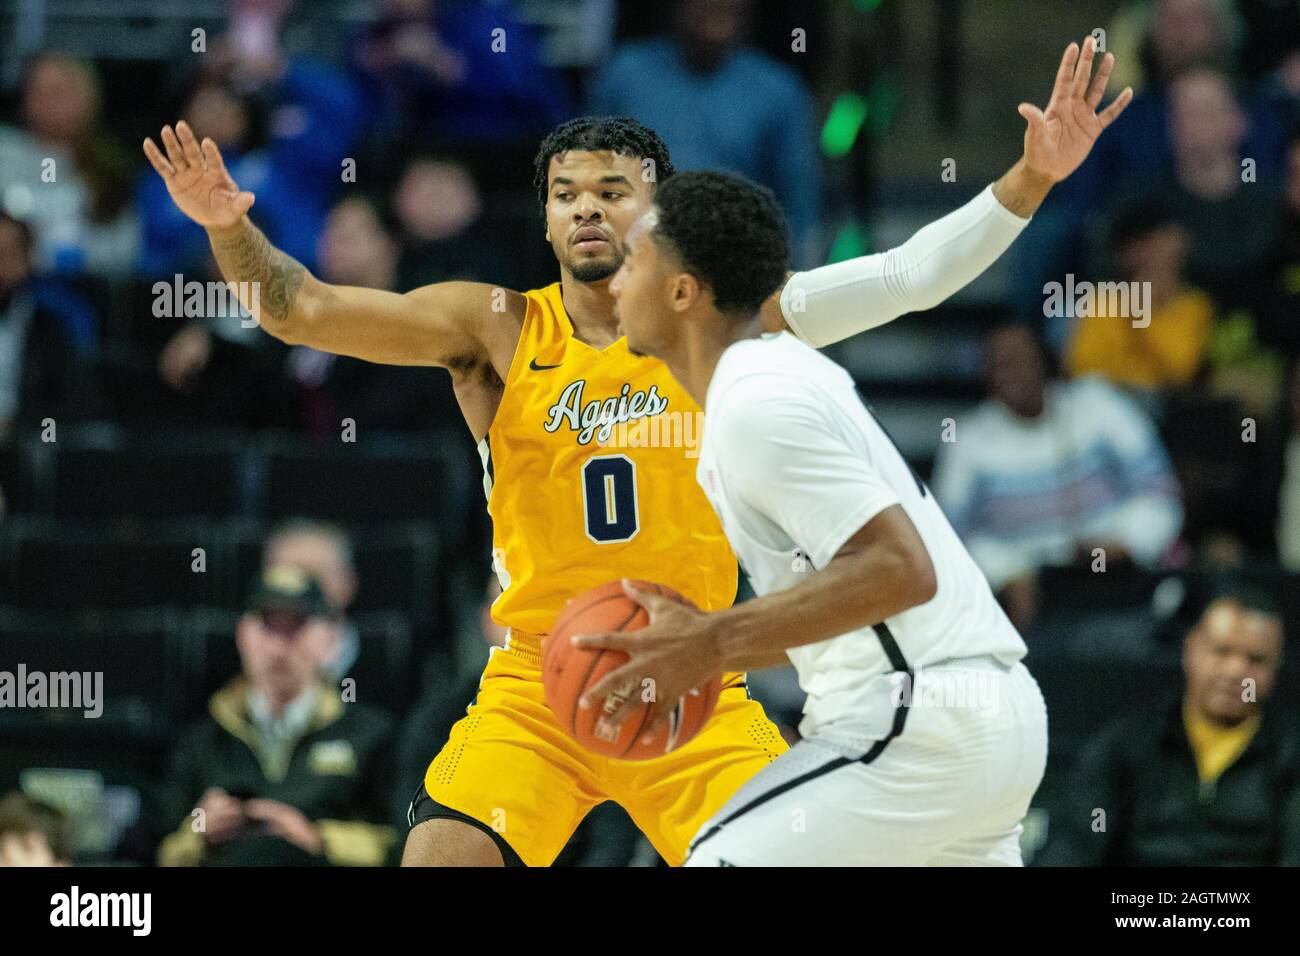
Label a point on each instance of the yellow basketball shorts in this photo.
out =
(510, 766)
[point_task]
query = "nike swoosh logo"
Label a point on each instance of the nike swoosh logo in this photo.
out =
(540, 368)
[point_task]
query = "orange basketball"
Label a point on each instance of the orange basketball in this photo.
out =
(567, 672)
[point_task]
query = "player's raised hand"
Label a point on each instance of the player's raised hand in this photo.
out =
(673, 651)
(1059, 138)
(197, 179)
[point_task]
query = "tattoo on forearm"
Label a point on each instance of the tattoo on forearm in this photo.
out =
(249, 257)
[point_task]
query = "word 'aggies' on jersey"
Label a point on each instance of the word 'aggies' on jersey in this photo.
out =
(602, 415)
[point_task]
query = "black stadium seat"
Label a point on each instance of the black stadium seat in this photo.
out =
(74, 565)
(138, 654)
(369, 485)
(146, 482)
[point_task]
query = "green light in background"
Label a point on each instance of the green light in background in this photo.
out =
(851, 241)
(843, 124)
(866, 6)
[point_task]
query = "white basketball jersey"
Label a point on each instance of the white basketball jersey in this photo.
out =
(795, 464)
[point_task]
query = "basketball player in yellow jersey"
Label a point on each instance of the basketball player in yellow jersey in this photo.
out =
(533, 373)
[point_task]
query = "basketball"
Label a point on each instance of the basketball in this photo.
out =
(568, 671)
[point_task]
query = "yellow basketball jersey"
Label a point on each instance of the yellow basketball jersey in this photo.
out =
(589, 469)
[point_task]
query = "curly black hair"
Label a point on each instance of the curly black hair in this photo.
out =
(728, 232)
(617, 134)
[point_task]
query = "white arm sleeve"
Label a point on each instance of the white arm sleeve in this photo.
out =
(831, 303)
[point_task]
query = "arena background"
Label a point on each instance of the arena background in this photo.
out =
(144, 457)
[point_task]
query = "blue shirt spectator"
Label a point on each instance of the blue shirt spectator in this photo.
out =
(722, 106)
(315, 114)
(458, 74)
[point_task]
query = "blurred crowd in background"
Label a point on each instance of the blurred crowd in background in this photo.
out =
(389, 144)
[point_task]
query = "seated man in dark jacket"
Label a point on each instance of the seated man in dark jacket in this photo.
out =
(43, 375)
(283, 771)
(1211, 780)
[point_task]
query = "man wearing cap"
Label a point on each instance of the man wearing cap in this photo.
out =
(1210, 778)
(282, 771)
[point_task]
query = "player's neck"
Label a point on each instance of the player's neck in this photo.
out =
(702, 348)
(590, 308)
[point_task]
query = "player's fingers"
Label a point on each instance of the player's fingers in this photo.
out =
(157, 160)
(211, 154)
(244, 202)
(658, 718)
(625, 710)
(1111, 113)
(1083, 72)
(1098, 88)
(606, 640)
(1065, 72)
(174, 151)
(614, 682)
(1032, 114)
(652, 601)
(189, 144)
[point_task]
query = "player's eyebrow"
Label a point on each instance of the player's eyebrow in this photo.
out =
(611, 178)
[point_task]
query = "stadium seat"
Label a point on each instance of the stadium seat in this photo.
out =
(147, 477)
(53, 564)
(381, 483)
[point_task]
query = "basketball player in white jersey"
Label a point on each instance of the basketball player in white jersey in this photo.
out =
(924, 737)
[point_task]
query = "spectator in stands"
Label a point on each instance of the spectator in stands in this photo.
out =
(171, 241)
(1212, 779)
(1278, 327)
(1178, 37)
(42, 374)
(32, 833)
(66, 175)
(312, 119)
(459, 74)
(357, 249)
(1046, 471)
(1174, 38)
(219, 370)
(324, 551)
(1235, 226)
(442, 235)
(1167, 347)
(1288, 516)
(722, 104)
(282, 771)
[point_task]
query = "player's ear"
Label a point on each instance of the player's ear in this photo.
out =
(685, 291)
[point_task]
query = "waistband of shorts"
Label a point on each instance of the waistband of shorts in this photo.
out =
(525, 645)
(528, 647)
(982, 662)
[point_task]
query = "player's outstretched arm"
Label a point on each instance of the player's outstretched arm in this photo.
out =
(834, 302)
(443, 324)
